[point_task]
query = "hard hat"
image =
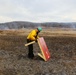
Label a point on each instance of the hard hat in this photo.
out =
(39, 29)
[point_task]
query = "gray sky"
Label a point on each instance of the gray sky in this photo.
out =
(38, 10)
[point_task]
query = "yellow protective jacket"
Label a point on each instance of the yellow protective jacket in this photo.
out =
(33, 35)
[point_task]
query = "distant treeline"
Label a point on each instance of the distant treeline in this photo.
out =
(23, 24)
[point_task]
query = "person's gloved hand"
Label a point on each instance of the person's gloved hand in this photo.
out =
(36, 40)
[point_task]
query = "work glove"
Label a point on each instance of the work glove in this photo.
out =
(36, 40)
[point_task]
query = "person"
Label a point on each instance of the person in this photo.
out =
(33, 36)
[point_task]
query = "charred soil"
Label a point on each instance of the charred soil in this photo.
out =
(14, 60)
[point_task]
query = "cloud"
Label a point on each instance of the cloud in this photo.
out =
(38, 10)
(5, 18)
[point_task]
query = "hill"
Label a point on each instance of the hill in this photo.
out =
(24, 24)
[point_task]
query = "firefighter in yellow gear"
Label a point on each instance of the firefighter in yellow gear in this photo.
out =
(33, 36)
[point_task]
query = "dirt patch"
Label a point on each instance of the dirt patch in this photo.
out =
(14, 61)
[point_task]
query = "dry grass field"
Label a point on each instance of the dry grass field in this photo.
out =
(13, 53)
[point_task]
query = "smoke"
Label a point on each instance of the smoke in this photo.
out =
(73, 26)
(2, 27)
(19, 25)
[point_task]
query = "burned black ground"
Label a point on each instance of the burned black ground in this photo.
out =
(14, 61)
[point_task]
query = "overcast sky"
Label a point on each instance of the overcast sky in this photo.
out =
(38, 10)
